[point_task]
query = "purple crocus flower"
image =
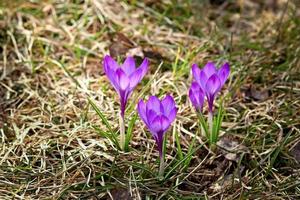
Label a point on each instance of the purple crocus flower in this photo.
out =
(196, 96)
(158, 116)
(125, 77)
(211, 80)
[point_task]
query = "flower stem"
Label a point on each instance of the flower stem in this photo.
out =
(212, 144)
(210, 125)
(122, 131)
(161, 167)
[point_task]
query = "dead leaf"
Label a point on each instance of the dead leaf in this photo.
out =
(152, 2)
(272, 4)
(135, 52)
(94, 67)
(296, 152)
(230, 148)
(125, 40)
(120, 193)
(153, 54)
(116, 49)
(217, 2)
(120, 45)
(257, 94)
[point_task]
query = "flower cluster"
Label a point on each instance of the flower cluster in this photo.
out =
(157, 114)
(207, 82)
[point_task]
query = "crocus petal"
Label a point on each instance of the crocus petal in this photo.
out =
(202, 80)
(135, 78)
(142, 111)
(172, 115)
(122, 78)
(213, 84)
(129, 66)
(159, 124)
(151, 114)
(110, 66)
(154, 104)
(165, 123)
(155, 125)
(223, 73)
(209, 69)
(193, 98)
(112, 78)
(196, 72)
(138, 74)
(110, 63)
(196, 96)
(210, 101)
(212, 87)
(168, 104)
(144, 66)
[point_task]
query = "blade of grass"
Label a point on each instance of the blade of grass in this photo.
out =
(276, 152)
(100, 114)
(188, 160)
(104, 120)
(220, 117)
(66, 70)
(179, 163)
(204, 125)
(107, 135)
(129, 132)
(179, 150)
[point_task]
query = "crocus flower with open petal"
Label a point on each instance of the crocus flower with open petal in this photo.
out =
(196, 96)
(211, 80)
(125, 77)
(158, 116)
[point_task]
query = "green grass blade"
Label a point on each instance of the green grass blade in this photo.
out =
(188, 160)
(59, 64)
(179, 150)
(100, 114)
(217, 121)
(179, 163)
(106, 135)
(204, 125)
(220, 117)
(128, 136)
(276, 152)
(104, 120)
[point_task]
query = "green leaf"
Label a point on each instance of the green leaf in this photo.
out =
(276, 152)
(100, 114)
(178, 164)
(128, 136)
(217, 121)
(188, 160)
(104, 120)
(107, 135)
(204, 125)
(179, 150)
